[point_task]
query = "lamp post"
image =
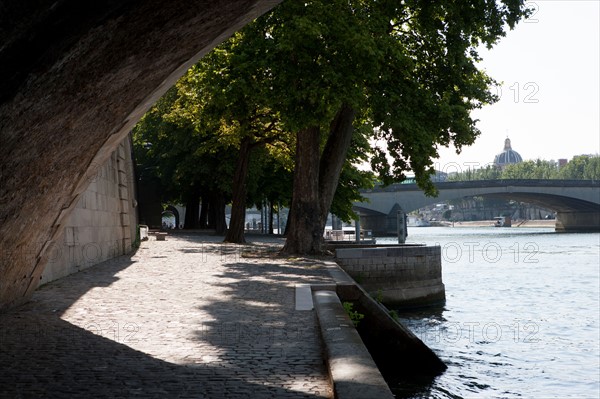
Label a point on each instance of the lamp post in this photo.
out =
(357, 227)
(401, 226)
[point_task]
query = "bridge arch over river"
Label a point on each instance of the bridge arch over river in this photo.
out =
(576, 202)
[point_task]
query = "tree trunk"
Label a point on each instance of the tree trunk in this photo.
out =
(235, 233)
(217, 213)
(271, 211)
(211, 218)
(191, 210)
(333, 158)
(286, 230)
(204, 210)
(304, 235)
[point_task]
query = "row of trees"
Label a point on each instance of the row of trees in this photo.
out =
(581, 167)
(289, 105)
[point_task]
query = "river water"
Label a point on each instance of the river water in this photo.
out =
(521, 318)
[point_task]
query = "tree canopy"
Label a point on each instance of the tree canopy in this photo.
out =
(318, 81)
(409, 67)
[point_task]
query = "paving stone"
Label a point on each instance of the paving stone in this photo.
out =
(186, 317)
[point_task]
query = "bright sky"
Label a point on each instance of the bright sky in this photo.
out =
(552, 62)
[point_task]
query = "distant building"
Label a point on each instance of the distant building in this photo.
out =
(439, 176)
(507, 156)
(562, 162)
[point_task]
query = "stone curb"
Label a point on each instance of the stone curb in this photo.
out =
(352, 370)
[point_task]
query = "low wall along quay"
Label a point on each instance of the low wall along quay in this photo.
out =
(398, 276)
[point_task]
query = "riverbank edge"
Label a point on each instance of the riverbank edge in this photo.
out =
(489, 223)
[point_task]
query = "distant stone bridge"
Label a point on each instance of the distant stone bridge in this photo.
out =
(576, 202)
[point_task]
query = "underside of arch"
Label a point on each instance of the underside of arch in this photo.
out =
(76, 77)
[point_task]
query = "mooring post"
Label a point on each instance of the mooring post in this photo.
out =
(401, 223)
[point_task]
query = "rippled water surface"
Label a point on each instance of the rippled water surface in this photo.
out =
(522, 314)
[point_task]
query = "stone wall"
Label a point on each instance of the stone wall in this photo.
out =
(398, 276)
(103, 224)
(579, 222)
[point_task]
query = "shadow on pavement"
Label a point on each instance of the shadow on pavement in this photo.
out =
(265, 349)
(42, 356)
(259, 332)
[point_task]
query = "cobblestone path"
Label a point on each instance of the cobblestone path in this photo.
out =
(182, 318)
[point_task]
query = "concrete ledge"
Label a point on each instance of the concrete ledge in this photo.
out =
(351, 368)
(334, 245)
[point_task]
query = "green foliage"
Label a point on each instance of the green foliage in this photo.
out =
(136, 243)
(174, 152)
(354, 315)
(423, 99)
(250, 86)
(352, 179)
(490, 172)
(268, 179)
(318, 55)
(537, 169)
(409, 68)
(196, 129)
(582, 167)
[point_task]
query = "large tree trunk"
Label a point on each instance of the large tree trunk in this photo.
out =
(333, 158)
(304, 235)
(191, 210)
(235, 233)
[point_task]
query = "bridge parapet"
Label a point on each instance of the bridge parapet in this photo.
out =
(490, 183)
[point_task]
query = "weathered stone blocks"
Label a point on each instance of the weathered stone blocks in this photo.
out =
(93, 235)
(400, 276)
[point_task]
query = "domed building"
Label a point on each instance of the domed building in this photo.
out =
(507, 157)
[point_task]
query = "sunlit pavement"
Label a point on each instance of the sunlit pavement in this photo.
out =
(185, 317)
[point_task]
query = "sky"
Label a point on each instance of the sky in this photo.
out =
(550, 93)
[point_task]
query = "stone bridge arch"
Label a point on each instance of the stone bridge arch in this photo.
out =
(576, 203)
(175, 212)
(76, 77)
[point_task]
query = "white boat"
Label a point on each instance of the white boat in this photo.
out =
(502, 221)
(417, 222)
